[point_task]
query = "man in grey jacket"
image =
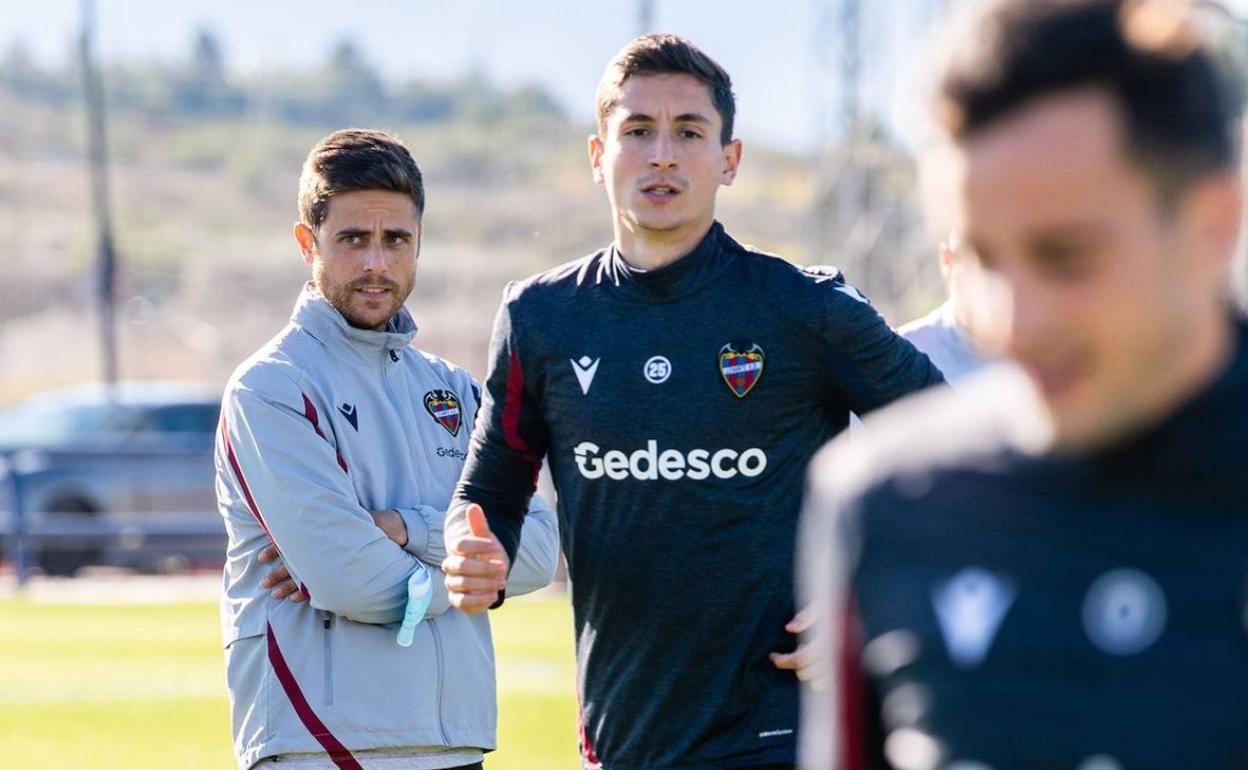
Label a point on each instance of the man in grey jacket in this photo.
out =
(338, 450)
(946, 333)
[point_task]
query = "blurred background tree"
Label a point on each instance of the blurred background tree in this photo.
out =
(206, 156)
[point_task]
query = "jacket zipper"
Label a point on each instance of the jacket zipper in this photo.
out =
(385, 375)
(329, 660)
(401, 407)
(432, 622)
(437, 648)
(418, 452)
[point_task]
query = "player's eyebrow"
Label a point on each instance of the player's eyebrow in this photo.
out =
(347, 232)
(692, 117)
(1084, 230)
(398, 232)
(684, 117)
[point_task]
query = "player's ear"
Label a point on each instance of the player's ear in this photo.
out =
(307, 242)
(946, 258)
(595, 157)
(1213, 209)
(732, 161)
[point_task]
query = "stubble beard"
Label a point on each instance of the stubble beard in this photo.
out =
(341, 295)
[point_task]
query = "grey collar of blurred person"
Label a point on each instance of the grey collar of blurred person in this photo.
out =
(949, 319)
(314, 314)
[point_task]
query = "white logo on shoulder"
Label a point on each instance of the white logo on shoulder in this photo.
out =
(658, 369)
(1124, 612)
(585, 369)
(970, 607)
(850, 291)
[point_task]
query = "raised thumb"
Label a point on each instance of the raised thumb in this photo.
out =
(477, 524)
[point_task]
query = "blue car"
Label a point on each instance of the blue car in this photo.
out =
(119, 476)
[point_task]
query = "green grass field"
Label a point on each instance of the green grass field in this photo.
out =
(135, 687)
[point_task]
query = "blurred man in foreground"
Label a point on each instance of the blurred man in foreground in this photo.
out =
(1055, 577)
(678, 382)
(339, 448)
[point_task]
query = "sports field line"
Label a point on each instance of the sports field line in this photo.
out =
(105, 587)
(523, 677)
(97, 693)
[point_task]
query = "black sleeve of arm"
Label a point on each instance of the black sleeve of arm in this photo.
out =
(868, 363)
(508, 441)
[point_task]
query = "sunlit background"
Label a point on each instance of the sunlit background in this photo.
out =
(209, 107)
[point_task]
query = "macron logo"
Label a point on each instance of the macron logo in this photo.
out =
(348, 411)
(585, 369)
(970, 607)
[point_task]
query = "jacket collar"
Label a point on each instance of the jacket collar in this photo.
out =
(963, 340)
(314, 314)
(676, 280)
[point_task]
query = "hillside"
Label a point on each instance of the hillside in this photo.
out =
(203, 206)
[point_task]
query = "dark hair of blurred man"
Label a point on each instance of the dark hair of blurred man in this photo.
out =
(1054, 577)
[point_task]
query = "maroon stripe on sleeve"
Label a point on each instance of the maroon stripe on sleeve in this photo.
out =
(511, 405)
(309, 411)
(850, 696)
(242, 480)
(338, 754)
(587, 750)
(251, 502)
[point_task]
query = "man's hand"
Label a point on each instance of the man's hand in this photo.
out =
(284, 586)
(391, 523)
(279, 579)
(806, 660)
(476, 567)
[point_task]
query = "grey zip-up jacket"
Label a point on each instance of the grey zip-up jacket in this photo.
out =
(321, 426)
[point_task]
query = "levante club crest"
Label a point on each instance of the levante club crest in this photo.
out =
(740, 369)
(443, 406)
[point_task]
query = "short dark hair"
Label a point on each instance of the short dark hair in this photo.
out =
(666, 55)
(1178, 113)
(356, 159)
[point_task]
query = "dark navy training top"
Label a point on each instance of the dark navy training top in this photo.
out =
(678, 408)
(1011, 609)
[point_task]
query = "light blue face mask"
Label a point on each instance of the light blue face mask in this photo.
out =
(419, 595)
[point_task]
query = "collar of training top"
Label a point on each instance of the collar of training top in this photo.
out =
(314, 314)
(670, 282)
